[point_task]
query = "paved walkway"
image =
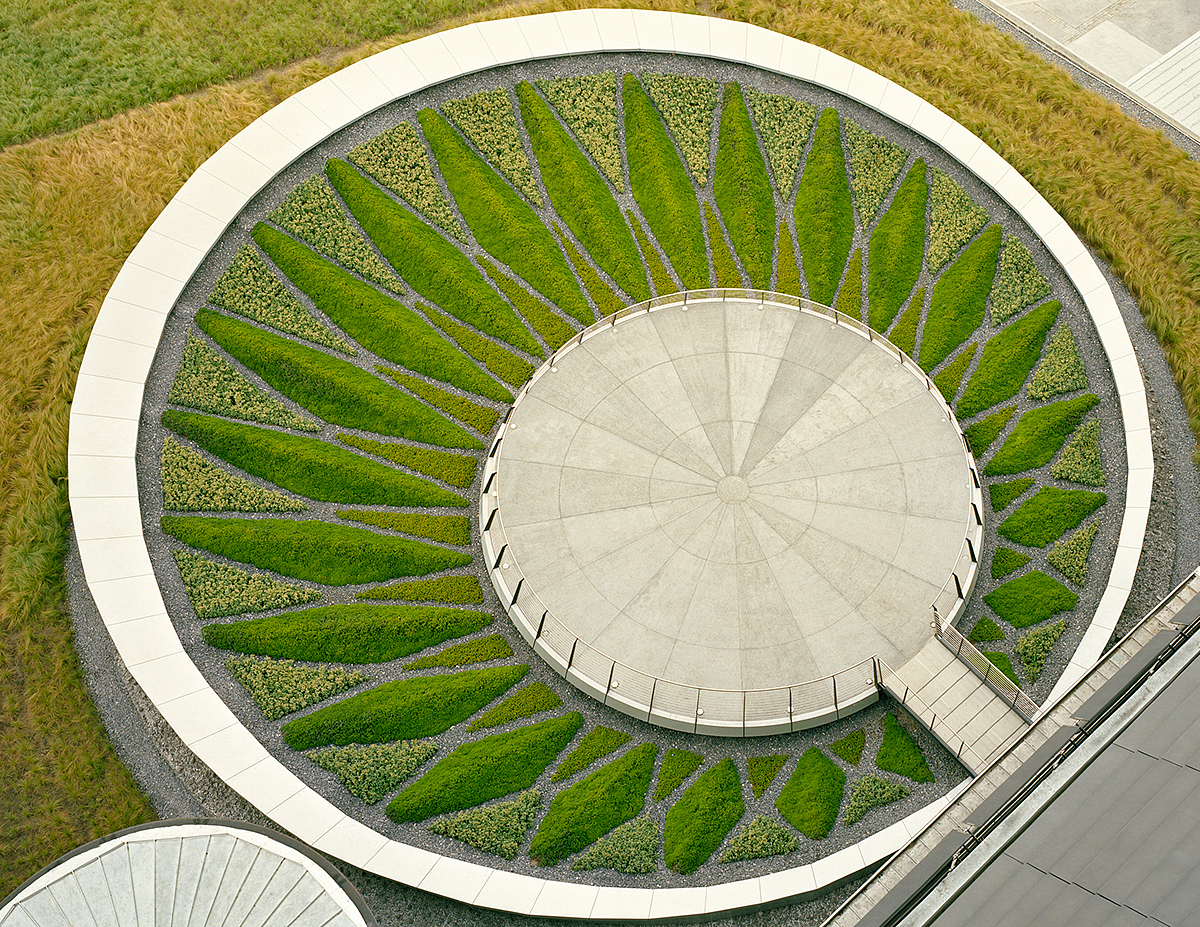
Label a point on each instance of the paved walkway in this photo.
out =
(1148, 48)
(735, 496)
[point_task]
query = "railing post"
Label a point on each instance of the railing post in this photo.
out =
(499, 557)
(541, 624)
(958, 586)
(571, 658)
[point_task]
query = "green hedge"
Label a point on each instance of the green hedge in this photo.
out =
(850, 747)
(904, 333)
(899, 753)
(332, 389)
(192, 483)
(487, 119)
(336, 555)
(379, 323)
(1070, 557)
(588, 104)
(1048, 514)
(429, 263)
(308, 466)
(742, 190)
(1038, 436)
(897, 249)
(1030, 599)
(811, 798)
(1001, 661)
(347, 633)
(589, 809)
(1061, 369)
(871, 792)
(530, 700)
(981, 434)
(762, 771)
(959, 297)
(481, 418)
(663, 282)
(1019, 283)
(606, 300)
(787, 277)
(1080, 460)
(1006, 560)
(372, 771)
(784, 125)
(677, 765)
(581, 196)
(1034, 646)
(761, 838)
(823, 212)
(600, 741)
(1002, 494)
(554, 330)
(403, 709)
(449, 529)
(874, 164)
(457, 590)
(985, 630)
(485, 769)
(455, 469)
(501, 220)
(492, 647)
(632, 848)
(1007, 359)
(725, 268)
(949, 378)
(698, 823)
(503, 363)
(849, 298)
(661, 187)
(954, 219)
(687, 103)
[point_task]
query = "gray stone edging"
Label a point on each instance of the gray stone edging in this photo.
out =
(108, 397)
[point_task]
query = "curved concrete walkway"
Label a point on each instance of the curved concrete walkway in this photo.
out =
(108, 400)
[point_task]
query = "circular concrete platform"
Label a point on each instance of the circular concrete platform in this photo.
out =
(734, 495)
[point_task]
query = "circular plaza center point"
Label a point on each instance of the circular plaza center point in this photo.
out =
(733, 496)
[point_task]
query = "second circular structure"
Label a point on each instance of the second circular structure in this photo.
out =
(734, 495)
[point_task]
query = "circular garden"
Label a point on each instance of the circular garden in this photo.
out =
(328, 383)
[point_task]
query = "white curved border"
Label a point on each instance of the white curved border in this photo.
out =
(108, 401)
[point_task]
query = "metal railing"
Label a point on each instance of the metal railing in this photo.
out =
(681, 707)
(890, 681)
(984, 668)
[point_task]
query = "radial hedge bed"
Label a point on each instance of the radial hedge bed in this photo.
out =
(327, 385)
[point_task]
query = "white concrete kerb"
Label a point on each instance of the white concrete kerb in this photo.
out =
(102, 444)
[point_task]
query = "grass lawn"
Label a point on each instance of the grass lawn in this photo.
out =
(75, 205)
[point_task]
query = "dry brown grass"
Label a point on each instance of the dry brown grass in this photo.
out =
(72, 208)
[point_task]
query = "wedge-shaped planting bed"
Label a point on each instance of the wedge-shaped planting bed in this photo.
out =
(308, 466)
(332, 389)
(1049, 514)
(897, 249)
(485, 769)
(599, 742)
(492, 647)
(699, 822)
(590, 808)
(677, 766)
(429, 263)
(403, 709)
(743, 190)
(1007, 359)
(812, 796)
(347, 633)
(335, 555)
(376, 321)
(531, 700)
(958, 299)
(1038, 436)
(823, 212)
(899, 753)
(1030, 599)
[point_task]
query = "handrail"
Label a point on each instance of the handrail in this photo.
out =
(984, 668)
(679, 706)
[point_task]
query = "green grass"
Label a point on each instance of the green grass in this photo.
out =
(984, 432)
(485, 769)
(500, 361)
(897, 250)
(823, 212)
(985, 630)
(455, 469)
(554, 330)
(1034, 646)
(1030, 599)
(346, 633)
(725, 268)
(811, 798)
(698, 823)
(957, 303)
(501, 220)
(849, 297)
(449, 529)
(1004, 664)
(788, 271)
(1048, 514)
(899, 753)
(308, 466)
(762, 771)
(659, 275)
(402, 709)
(904, 333)
(492, 647)
(1008, 357)
(378, 322)
(606, 300)
(429, 263)
(1038, 436)
(599, 742)
(677, 765)
(481, 418)
(335, 555)
(530, 700)
(455, 590)
(581, 196)
(742, 190)
(850, 747)
(332, 389)
(949, 378)
(1006, 560)
(1002, 494)
(590, 808)
(661, 186)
